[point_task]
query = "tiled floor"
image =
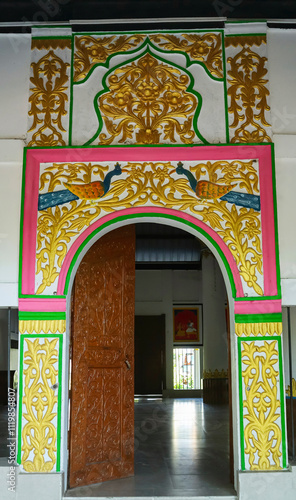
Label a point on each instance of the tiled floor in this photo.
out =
(181, 449)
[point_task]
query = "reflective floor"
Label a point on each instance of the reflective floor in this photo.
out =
(181, 449)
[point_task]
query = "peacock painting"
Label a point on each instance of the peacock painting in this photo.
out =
(207, 190)
(90, 191)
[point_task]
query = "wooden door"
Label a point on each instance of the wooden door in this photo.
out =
(149, 354)
(102, 382)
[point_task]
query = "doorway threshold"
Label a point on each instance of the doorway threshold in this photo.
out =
(154, 498)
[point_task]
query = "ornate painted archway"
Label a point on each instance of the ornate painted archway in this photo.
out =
(72, 196)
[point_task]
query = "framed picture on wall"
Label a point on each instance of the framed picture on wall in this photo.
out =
(187, 321)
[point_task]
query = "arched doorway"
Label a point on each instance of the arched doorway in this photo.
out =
(91, 283)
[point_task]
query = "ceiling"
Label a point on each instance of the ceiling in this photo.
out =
(51, 11)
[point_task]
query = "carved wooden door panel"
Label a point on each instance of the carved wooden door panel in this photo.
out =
(102, 402)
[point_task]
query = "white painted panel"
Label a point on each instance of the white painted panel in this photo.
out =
(187, 286)
(15, 53)
(10, 196)
(282, 74)
(286, 200)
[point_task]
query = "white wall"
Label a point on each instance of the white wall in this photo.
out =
(11, 152)
(157, 292)
(282, 73)
(3, 339)
(15, 53)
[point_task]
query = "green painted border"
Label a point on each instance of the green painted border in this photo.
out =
(106, 90)
(142, 215)
(241, 408)
(20, 401)
(60, 37)
(278, 338)
(59, 402)
(225, 88)
(59, 409)
(246, 34)
(259, 318)
(32, 296)
(41, 316)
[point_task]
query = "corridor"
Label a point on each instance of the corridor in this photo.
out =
(181, 449)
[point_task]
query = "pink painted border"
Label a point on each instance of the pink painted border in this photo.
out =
(194, 153)
(147, 210)
(43, 305)
(258, 306)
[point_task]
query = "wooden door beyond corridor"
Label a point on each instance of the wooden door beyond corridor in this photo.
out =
(102, 387)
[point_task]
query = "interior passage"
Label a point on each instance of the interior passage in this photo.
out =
(181, 448)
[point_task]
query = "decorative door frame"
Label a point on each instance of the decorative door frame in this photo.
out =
(153, 184)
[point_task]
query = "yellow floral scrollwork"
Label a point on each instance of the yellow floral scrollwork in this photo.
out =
(90, 50)
(45, 326)
(147, 101)
(206, 48)
(262, 405)
(248, 92)
(48, 100)
(247, 329)
(39, 434)
(151, 184)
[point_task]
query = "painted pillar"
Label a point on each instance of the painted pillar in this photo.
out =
(261, 388)
(40, 387)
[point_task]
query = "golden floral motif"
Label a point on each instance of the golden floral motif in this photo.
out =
(90, 50)
(247, 329)
(262, 433)
(147, 102)
(206, 48)
(248, 93)
(150, 183)
(48, 100)
(39, 434)
(45, 326)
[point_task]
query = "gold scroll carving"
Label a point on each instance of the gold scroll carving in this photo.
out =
(39, 434)
(247, 90)
(90, 50)
(147, 102)
(51, 43)
(45, 326)
(50, 83)
(151, 183)
(262, 432)
(247, 329)
(205, 48)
